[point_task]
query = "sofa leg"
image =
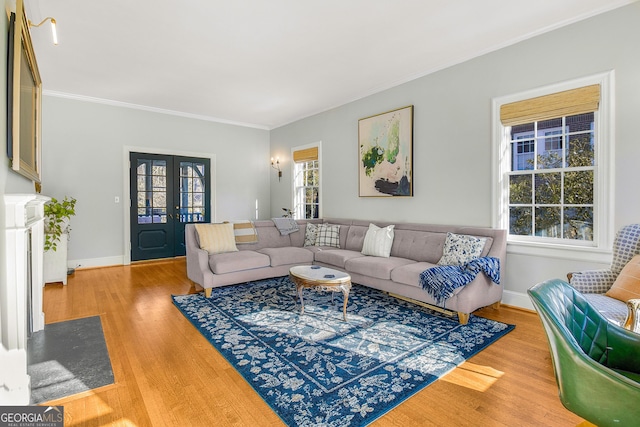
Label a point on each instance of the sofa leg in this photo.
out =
(207, 292)
(463, 318)
(496, 305)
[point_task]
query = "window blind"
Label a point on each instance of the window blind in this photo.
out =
(567, 103)
(306, 155)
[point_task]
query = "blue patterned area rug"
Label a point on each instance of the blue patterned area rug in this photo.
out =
(317, 370)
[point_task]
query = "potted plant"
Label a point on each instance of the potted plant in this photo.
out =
(56, 227)
(56, 222)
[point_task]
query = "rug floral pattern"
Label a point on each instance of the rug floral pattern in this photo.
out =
(317, 370)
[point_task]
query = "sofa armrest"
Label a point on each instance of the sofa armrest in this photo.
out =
(197, 259)
(592, 281)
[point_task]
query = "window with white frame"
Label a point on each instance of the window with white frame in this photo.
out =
(306, 183)
(553, 164)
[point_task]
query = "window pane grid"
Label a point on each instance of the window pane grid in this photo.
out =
(306, 190)
(551, 182)
(192, 189)
(151, 183)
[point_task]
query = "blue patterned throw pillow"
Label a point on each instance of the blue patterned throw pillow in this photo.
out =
(311, 230)
(459, 249)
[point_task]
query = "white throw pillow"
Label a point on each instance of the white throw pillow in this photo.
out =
(328, 235)
(459, 249)
(216, 238)
(378, 241)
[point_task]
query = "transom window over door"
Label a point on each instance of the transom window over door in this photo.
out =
(306, 182)
(553, 166)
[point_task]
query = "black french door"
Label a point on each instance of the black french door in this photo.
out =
(167, 192)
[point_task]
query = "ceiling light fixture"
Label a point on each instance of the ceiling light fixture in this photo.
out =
(54, 33)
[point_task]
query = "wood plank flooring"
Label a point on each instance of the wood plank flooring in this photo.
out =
(167, 374)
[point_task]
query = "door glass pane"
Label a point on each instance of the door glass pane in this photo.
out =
(192, 189)
(151, 182)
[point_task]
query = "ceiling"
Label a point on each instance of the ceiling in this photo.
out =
(266, 63)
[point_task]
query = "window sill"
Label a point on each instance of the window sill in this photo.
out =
(565, 252)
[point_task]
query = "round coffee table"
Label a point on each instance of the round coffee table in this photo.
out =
(321, 278)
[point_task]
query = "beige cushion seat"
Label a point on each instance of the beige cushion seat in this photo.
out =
(337, 257)
(378, 267)
(410, 274)
(288, 255)
(238, 261)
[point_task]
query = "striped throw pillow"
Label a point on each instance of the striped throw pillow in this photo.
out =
(216, 238)
(245, 232)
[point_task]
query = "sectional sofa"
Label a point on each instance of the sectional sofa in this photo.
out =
(415, 248)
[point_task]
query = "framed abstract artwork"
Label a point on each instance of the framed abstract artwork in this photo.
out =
(385, 154)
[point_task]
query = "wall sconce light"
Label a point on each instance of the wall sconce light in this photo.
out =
(276, 166)
(54, 33)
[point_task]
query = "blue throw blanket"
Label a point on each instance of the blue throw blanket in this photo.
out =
(441, 281)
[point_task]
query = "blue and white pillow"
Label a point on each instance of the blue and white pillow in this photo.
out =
(459, 249)
(310, 232)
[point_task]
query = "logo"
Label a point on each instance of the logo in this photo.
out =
(31, 416)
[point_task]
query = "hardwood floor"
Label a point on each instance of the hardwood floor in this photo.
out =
(166, 373)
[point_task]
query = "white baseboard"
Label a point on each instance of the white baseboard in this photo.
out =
(517, 299)
(96, 262)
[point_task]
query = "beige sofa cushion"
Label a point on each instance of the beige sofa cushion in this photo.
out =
(237, 261)
(336, 257)
(410, 274)
(290, 255)
(377, 267)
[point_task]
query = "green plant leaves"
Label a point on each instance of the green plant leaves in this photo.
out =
(56, 216)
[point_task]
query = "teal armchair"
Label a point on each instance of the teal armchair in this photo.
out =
(596, 363)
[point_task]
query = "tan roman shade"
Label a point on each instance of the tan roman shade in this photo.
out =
(568, 103)
(306, 155)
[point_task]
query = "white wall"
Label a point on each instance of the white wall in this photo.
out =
(452, 136)
(83, 156)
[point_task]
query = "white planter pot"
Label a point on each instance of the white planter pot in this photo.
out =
(55, 262)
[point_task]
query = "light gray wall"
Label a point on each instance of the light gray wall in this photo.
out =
(83, 156)
(452, 135)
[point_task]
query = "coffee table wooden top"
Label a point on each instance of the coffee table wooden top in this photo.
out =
(321, 278)
(319, 275)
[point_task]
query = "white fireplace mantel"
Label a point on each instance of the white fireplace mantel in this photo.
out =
(21, 294)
